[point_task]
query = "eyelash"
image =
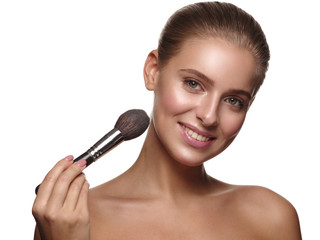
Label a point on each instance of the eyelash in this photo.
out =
(239, 103)
(190, 84)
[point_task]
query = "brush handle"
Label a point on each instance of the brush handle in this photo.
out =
(104, 145)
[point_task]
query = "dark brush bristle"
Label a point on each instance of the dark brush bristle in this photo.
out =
(132, 123)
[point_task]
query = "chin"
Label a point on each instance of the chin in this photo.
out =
(191, 163)
(190, 160)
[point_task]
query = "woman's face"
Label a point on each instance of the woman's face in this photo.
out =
(201, 99)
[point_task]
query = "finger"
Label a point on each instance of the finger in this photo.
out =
(50, 179)
(74, 192)
(82, 204)
(63, 182)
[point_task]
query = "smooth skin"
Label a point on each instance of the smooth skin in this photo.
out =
(61, 206)
(207, 87)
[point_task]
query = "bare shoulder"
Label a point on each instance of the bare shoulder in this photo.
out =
(271, 214)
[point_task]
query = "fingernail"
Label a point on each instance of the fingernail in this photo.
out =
(69, 158)
(81, 163)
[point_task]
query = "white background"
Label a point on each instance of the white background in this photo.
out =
(68, 69)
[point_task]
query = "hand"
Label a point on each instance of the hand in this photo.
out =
(61, 206)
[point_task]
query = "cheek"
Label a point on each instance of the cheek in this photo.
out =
(171, 100)
(231, 125)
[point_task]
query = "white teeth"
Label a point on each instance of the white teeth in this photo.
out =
(196, 135)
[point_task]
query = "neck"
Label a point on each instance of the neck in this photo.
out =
(162, 175)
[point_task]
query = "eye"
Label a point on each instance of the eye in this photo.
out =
(235, 102)
(193, 84)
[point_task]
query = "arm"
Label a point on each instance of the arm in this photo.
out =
(272, 215)
(285, 223)
(36, 234)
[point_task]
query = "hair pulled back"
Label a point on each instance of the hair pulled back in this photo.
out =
(220, 20)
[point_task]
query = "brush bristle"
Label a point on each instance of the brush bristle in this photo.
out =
(132, 123)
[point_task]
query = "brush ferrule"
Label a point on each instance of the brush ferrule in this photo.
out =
(104, 145)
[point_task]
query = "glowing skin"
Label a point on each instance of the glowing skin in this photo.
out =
(201, 99)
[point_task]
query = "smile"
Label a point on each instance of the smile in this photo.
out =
(195, 135)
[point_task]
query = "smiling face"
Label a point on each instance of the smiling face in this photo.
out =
(201, 97)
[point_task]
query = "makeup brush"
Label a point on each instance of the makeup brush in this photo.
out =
(130, 124)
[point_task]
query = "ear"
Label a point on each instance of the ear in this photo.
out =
(151, 70)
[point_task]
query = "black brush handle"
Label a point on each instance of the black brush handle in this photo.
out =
(87, 156)
(104, 145)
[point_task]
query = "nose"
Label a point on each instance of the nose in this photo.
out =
(208, 112)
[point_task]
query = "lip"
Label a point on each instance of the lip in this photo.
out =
(192, 141)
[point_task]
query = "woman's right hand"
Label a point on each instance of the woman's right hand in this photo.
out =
(61, 206)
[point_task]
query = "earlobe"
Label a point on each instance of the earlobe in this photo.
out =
(150, 70)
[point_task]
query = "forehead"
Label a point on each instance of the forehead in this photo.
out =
(219, 60)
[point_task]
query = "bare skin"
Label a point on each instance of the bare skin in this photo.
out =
(132, 207)
(137, 206)
(61, 206)
(201, 100)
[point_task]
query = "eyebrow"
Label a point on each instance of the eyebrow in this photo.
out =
(240, 92)
(204, 77)
(199, 74)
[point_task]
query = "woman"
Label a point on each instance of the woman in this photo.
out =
(209, 64)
